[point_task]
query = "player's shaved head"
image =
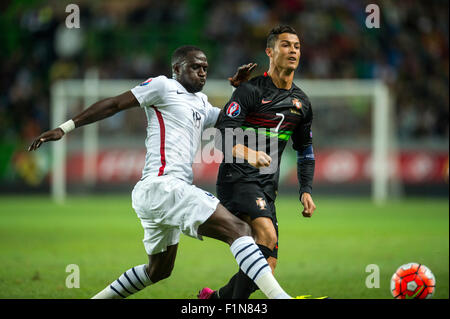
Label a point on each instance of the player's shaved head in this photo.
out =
(181, 53)
(275, 32)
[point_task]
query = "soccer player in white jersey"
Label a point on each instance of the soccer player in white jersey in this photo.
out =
(164, 199)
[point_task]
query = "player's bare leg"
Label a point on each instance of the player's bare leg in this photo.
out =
(224, 226)
(265, 235)
(240, 286)
(159, 267)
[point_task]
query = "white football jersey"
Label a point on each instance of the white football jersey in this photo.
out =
(176, 120)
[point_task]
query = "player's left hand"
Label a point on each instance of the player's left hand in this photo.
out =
(308, 204)
(242, 74)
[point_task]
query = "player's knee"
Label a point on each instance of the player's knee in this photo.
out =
(242, 229)
(267, 239)
(158, 276)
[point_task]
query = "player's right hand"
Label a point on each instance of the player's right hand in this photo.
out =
(52, 135)
(260, 159)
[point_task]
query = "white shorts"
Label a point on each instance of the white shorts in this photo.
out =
(168, 206)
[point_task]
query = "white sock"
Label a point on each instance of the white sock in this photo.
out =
(130, 282)
(252, 262)
(270, 286)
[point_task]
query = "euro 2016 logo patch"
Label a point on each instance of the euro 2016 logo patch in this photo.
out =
(233, 110)
(146, 82)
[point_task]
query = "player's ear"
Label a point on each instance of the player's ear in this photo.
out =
(269, 52)
(175, 70)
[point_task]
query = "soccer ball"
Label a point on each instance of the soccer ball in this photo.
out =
(413, 281)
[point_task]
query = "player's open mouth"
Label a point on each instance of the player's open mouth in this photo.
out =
(292, 59)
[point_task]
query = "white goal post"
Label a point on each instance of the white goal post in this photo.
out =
(92, 89)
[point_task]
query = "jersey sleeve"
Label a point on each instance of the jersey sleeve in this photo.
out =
(302, 143)
(302, 135)
(151, 92)
(242, 102)
(212, 115)
(233, 116)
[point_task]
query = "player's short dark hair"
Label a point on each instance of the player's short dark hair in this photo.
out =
(273, 34)
(181, 52)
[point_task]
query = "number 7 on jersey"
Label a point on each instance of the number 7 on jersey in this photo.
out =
(279, 124)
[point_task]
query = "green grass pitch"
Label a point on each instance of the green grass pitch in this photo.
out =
(324, 255)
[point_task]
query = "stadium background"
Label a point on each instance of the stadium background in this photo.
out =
(134, 40)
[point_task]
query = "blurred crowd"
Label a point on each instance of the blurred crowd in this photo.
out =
(134, 39)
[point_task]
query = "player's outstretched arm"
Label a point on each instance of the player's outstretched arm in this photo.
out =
(242, 74)
(96, 112)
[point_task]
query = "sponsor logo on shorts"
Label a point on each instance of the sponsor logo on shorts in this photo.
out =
(234, 109)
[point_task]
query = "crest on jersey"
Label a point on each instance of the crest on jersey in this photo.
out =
(146, 82)
(261, 203)
(297, 104)
(233, 110)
